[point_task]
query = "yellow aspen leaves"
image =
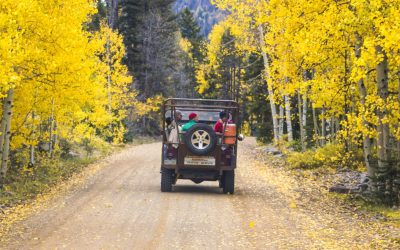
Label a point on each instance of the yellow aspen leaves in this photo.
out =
(66, 79)
(320, 37)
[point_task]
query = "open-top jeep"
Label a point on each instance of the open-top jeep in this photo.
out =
(199, 154)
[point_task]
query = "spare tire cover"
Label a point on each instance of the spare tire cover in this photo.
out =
(200, 139)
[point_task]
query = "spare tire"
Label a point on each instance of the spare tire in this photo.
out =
(200, 139)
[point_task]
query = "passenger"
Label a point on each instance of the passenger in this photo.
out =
(168, 128)
(175, 129)
(178, 117)
(193, 119)
(219, 126)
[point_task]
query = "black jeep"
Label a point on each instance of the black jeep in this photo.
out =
(199, 154)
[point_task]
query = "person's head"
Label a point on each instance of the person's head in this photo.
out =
(168, 121)
(224, 116)
(178, 115)
(193, 116)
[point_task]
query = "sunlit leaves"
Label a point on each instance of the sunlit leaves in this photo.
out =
(62, 73)
(320, 37)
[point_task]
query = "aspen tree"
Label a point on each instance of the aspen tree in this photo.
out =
(281, 121)
(288, 118)
(352, 48)
(5, 150)
(269, 83)
(383, 126)
(301, 122)
(58, 76)
(363, 94)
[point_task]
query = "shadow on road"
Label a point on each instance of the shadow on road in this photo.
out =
(197, 189)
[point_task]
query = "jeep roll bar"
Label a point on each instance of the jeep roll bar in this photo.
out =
(187, 104)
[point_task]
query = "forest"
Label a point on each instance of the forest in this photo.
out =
(329, 76)
(320, 78)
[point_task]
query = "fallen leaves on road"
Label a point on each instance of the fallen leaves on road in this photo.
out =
(318, 219)
(21, 212)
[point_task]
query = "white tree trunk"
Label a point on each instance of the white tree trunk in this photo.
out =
(7, 134)
(323, 128)
(288, 118)
(304, 112)
(363, 94)
(269, 84)
(3, 127)
(301, 122)
(32, 147)
(383, 127)
(109, 83)
(51, 141)
(281, 121)
(316, 127)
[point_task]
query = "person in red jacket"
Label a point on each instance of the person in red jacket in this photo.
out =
(219, 126)
(219, 129)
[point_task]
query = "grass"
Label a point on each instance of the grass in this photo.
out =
(25, 184)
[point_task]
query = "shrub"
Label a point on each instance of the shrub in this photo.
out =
(331, 155)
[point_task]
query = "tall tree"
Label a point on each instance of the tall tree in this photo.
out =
(154, 53)
(190, 30)
(354, 57)
(150, 32)
(54, 76)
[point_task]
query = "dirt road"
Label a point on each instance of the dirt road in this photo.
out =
(121, 207)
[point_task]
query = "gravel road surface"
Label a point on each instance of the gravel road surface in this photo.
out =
(121, 207)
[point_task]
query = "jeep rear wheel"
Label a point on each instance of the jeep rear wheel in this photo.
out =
(200, 139)
(228, 182)
(167, 179)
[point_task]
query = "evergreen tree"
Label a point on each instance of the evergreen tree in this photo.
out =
(191, 43)
(190, 30)
(130, 22)
(150, 32)
(151, 37)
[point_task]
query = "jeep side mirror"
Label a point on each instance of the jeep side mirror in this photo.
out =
(241, 137)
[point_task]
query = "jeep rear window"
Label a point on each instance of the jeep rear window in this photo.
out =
(204, 116)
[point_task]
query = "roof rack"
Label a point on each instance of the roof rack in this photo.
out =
(201, 103)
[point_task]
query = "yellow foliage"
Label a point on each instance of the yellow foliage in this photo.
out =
(186, 46)
(152, 105)
(320, 37)
(64, 77)
(246, 129)
(330, 156)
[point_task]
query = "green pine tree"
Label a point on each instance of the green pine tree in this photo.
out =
(191, 31)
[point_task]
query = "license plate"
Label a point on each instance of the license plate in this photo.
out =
(170, 162)
(200, 161)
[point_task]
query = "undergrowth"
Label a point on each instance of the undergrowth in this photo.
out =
(329, 156)
(334, 157)
(26, 183)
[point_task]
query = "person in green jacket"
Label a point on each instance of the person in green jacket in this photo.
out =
(193, 119)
